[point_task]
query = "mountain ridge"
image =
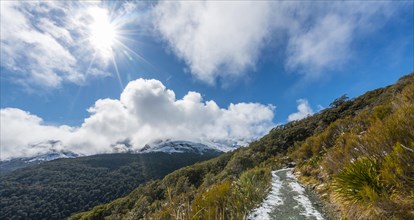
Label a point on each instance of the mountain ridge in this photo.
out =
(164, 146)
(181, 146)
(10, 165)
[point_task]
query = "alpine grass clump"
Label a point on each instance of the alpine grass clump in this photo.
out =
(359, 184)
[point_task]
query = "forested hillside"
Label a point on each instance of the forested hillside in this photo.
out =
(357, 154)
(56, 189)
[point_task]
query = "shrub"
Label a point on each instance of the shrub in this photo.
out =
(252, 188)
(359, 183)
(212, 204)
(233, 199)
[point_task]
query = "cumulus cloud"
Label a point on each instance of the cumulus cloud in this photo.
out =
(224, 39)
(215, 39)
(21, 131)
(304, 110)
(146, 111)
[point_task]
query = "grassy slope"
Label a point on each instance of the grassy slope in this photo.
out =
(56, 189)
(364, 165)
(376, 127)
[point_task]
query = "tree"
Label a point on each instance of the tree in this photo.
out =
(339, 101)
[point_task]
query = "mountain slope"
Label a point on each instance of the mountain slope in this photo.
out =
(180, 146)
(230, 186)
(58, 188)
(17, 163)
(364, 164)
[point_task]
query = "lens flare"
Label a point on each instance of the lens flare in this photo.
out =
(103, 33)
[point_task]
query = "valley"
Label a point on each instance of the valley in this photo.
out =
(61, 187)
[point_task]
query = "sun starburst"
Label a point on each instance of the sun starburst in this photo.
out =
(103, 32)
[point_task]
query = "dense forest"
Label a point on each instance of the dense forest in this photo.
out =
(358, 155)
(56, 189)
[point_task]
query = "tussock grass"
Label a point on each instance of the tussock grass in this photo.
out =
(359, 183)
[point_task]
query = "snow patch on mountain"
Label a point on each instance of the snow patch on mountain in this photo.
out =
(52, 155)
(180, 146)
(46, 151)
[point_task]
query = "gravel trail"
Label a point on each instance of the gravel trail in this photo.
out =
(287, 200)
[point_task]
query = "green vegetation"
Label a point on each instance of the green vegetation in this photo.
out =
(56, 189)
(232, 200)
(362, 178)
(366, 162)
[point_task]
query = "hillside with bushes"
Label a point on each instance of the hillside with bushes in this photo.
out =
(358, 155)
(364, 164)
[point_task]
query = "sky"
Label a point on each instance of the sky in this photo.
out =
(107, 76)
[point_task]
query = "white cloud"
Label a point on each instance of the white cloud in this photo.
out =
(43, 44)
(304, 110)
(146, 111)
(20, 130)
(215, 39)
(223, 39)
(324, 46)
(321, 36)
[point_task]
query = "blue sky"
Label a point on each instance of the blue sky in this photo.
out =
(249, 65)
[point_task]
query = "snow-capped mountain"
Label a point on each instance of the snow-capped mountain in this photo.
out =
(47, 151)
(193, 146)
(175, 146)
(52, 155)
(54, 149)
(168, 146)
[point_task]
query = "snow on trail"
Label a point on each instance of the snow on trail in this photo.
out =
(273, 199)
(287, 200)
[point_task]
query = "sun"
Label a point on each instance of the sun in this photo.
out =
(103, 33)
